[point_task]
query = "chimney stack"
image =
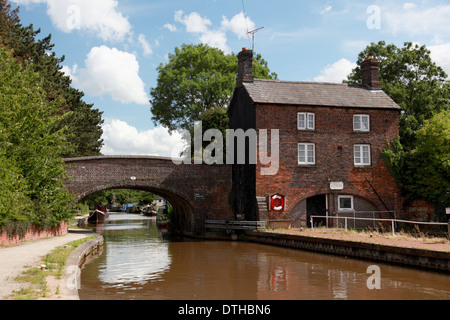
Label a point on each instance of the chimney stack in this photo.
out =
(245, 71)
(370, 71)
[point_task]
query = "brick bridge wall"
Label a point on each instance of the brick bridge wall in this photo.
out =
(196, 192)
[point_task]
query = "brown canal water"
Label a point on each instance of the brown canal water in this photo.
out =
(139, 262)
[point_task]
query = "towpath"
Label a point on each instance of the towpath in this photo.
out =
(14, 260)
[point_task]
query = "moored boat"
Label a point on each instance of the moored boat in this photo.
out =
(149, 211)
(99, 215)
(162, 222)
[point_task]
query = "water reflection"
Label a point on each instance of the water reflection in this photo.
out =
(133, 255)
(139, 264)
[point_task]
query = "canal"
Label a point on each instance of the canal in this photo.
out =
(139, 262)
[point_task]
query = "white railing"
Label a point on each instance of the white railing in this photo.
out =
(392, 221)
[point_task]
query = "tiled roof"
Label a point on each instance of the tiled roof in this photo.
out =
(317, 94)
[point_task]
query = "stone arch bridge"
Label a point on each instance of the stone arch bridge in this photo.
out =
(196, 192)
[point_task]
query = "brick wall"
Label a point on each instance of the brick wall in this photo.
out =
(33, 234)
(334, 139)
(417, 210)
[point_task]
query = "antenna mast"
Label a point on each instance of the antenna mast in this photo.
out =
(253, 36)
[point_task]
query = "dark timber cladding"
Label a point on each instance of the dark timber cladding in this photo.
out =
(344, 168)
(197, 192)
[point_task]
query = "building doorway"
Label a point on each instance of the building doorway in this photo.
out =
(316, 206)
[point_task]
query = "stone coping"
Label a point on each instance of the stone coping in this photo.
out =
(82, 255)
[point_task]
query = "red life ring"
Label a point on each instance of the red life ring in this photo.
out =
(277, 202)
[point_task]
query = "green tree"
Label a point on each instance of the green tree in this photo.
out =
(13, 199)
(83, 125)
(197, 78)
(32, 146)
(433, 151)
(424, 172)
(418, 159)
(215, 118)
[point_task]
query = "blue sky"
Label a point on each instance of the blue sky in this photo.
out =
(113, 47)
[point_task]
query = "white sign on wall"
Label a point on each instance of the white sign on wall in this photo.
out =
(336, 185)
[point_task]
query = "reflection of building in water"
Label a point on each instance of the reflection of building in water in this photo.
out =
(305, 275)
(278, 278)
(281, 278)
(338, 283)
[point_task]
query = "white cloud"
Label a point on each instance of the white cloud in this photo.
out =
(145, 45)
(98, 16)
(120, 138)
(239, 24)
(336, 72)
(170, 27)
(193, 22)
(110, 71)
(70, 72)
(326, 9)
(215, 37)
(440, 55)
(415, 20)
(409, 5)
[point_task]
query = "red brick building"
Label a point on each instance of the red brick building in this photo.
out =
(331, 137)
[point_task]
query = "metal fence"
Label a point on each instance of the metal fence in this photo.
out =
(391, 222)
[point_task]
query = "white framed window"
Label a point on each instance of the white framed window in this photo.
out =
(306, 154)
(306, 121)
(361, 123)
(362, 155)
(345, 203)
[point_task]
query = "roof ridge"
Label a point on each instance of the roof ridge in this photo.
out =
(304, 82)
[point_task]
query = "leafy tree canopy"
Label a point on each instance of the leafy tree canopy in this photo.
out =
(31, 149)
(419, 158)
(84, 123)
(197, 78)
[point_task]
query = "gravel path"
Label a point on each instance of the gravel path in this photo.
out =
(14, 260)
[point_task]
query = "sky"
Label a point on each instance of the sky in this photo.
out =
(113, 47)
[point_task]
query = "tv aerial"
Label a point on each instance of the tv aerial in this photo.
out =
(252, 33)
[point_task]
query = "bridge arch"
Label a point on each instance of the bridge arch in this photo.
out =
(196, 192)
(183, 213)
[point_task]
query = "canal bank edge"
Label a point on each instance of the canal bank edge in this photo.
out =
(82, 255)
(418, 258)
